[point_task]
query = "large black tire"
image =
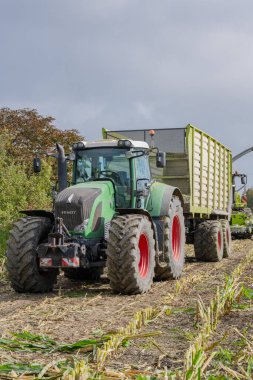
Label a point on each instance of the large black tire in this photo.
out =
(208, 241)
(83, 274)
(22, 262)
(171, 261)
(131, 254)
(227, 240)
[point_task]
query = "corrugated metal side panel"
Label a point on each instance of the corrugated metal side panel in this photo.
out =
(210, 172)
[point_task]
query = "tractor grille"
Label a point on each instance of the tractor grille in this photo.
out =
(74, 205)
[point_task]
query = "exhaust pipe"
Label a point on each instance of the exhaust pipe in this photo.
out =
(62, 168)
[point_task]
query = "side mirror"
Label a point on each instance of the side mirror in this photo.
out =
(161, 159)
(244, 180)
(36, 165)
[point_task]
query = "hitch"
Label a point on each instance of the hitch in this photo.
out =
(56, 253)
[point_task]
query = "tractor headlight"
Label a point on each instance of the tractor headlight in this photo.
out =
(124, 143)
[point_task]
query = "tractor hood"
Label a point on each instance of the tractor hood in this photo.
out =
(86, 208)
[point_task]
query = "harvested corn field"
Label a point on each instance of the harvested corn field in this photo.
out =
(168, 331)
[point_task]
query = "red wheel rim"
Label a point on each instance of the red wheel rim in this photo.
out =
(143, 265)
(176, 238)
(219, 241)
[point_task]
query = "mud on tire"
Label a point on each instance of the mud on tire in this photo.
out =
(208, 241)
(21, 256)
(131, 254)
(227, 240)
(171, 262)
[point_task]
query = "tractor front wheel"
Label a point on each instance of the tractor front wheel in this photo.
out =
(21, 257)
(131, 254)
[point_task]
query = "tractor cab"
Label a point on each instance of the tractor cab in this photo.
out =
(125, 163)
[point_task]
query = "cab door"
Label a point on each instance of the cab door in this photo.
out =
(143, 181)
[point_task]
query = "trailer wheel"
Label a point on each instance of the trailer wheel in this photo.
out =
(83, 274)
(208, 241)
(21, 257)
(171, 266)
(227, 240)
(131, 254)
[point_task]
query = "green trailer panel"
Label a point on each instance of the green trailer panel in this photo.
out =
(196, 163)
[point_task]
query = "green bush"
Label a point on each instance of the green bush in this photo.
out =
(19, 190)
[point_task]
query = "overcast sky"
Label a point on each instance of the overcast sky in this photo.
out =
(125, 64)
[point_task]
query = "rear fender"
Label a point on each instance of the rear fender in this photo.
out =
(161, 195)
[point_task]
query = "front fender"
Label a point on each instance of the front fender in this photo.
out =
(43, 213)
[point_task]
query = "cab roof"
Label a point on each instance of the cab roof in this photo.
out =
(113, 143)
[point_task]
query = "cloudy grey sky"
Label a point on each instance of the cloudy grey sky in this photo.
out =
(124, 64)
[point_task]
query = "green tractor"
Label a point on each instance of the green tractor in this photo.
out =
(113, 214)
(241, 217)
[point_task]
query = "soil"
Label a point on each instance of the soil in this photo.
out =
(76, 311)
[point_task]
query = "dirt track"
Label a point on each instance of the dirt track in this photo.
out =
(77, 311)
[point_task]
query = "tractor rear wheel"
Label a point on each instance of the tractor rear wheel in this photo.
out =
(21, 257)
(227, 240)
(208, 241)
(83, 274)
(172, 262)
(131, 254)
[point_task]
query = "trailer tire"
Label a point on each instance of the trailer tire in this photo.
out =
(21, 257)
(131, 254)
(227, 240)
(172, 263)
(208, 241)
(83, 274)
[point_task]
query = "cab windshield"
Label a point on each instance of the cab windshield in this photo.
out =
(101, 163)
